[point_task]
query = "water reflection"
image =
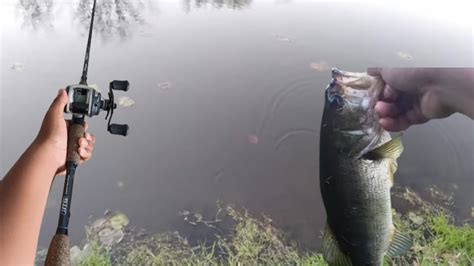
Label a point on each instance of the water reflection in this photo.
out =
(112, 17)
(233, 4)
(36, 14)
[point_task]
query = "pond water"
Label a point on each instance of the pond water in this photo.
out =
(227, 102)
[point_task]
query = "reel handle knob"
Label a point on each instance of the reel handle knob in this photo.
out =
(118, 129)
(120, 85)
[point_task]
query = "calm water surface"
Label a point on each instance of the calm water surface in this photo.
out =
(228, 104)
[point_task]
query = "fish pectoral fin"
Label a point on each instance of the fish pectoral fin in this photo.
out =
(391, 149)
(330, 249)
(400, 244)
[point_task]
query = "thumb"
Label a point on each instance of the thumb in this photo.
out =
(57, 107)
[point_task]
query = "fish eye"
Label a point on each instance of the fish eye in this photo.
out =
(333, 97)
(336, 101)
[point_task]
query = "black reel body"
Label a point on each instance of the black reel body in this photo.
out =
(84, 100)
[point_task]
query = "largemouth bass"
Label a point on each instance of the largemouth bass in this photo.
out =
(357, 164)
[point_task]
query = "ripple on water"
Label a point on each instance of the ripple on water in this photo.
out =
(298, 85)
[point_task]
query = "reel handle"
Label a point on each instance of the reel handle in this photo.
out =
(118, 129)
(120, 85)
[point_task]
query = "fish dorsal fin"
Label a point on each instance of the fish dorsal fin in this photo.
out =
(400, 244)
(391, 149)
(330, 249)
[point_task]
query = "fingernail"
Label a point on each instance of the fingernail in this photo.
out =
(59, 92)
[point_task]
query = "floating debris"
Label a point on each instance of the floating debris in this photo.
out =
(219, 175)
(183, 213)
(125, 101)
(109, 237)
(439, 195)
(405, 56)
(282, 38)
(78, 254)
(18, 66)
(416, 219)
(164, 86)
(319, 66)
(119, 220)
(120, 184)
(252, 139)
(98, 223)
(108, 230)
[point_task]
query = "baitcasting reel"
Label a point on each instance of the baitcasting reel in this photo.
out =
(85, 100)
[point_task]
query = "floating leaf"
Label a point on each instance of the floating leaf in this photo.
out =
(320, 66)
(18, 66)
(109, 237)
(98, 223)
(78, 255)
(75, 252)
(405, 56)
(184, 213)
(198, 217)
(252, 139)
(438, 194)
(120, 184)
(416, 219)
(119, 221)
(282, 38)
(125, 101)
(164, 86)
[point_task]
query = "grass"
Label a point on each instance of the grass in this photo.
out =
(436, 240)
(252, 241)
(98, 256)
(256, 241)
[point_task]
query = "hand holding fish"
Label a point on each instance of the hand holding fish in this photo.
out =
(416, 95)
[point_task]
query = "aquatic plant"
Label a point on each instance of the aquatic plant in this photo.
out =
(96, 256)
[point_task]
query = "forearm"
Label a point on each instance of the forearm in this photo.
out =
(23, 196)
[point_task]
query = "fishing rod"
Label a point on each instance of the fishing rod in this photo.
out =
(83, 100)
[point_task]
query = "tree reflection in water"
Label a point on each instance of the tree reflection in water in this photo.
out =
(112, 17)
(36, 14)
(233, 4)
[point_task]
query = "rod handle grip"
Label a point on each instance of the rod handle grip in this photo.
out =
(75, 131)
(58, 252)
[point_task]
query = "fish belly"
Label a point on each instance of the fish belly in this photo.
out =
(357, 201)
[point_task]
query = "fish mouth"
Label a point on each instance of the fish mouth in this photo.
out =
(355, 89)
